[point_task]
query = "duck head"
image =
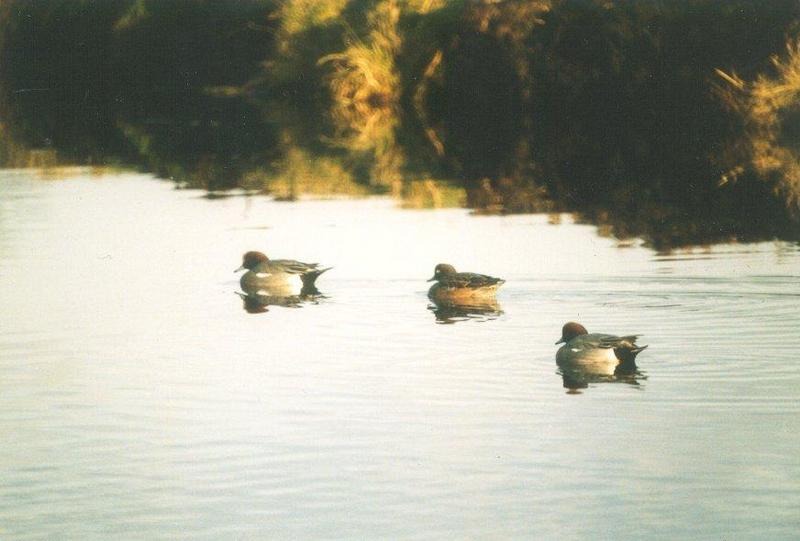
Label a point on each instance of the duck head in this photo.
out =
(571, 330)
(251, 260)
(442, 269)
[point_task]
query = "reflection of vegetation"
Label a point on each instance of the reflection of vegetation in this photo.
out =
(429, 193)
(258, 302)
(297, 172)
(661, 119)
(448, 313)
(575, 380)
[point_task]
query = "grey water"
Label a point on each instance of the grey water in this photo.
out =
(139, 399)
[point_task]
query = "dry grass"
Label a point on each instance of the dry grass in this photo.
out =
(773, 100)
(295, 19)
(299, 15)
(766, 105)
(365, 87)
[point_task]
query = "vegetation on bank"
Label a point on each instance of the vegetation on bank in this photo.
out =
(768, 143)
(678, 121)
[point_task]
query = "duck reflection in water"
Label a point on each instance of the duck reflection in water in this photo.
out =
(449, 312)
(576, 379)
(258, 301)
(277, 282)
(593, 358)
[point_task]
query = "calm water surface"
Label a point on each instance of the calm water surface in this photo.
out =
(139, 400)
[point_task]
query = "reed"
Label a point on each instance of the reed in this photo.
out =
(365, 87)
(775, 111)
(297, 16)
(770, 109)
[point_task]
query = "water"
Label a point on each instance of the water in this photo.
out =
(141, 401)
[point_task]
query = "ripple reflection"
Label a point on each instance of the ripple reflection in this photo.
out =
(575, 379)
(449, 312)
(258, 301)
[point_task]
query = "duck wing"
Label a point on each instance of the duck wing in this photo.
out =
(606, 341)
(290, 266)
(469, 280)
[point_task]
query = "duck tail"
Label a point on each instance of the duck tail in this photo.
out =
(627, 359)
(310, 277)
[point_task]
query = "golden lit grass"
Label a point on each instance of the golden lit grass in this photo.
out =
(423, 6)
(365, 88)
(296, 37)
(767, 105)
(298, 15)
(773, 100)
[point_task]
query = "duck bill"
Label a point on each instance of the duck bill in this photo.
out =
(560, 341)
(432, 279)
(239, 269)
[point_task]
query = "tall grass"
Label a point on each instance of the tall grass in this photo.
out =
(298, 15)
(775, 112)
(365, 89)
(770, 108)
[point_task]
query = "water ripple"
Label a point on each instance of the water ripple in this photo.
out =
(140, 401)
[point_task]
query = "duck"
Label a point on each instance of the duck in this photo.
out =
(283, 275)
(457, 287)
(598, 354)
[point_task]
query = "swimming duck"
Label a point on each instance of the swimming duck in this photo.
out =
(601, 354)
(453, 286)
(277, 273)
